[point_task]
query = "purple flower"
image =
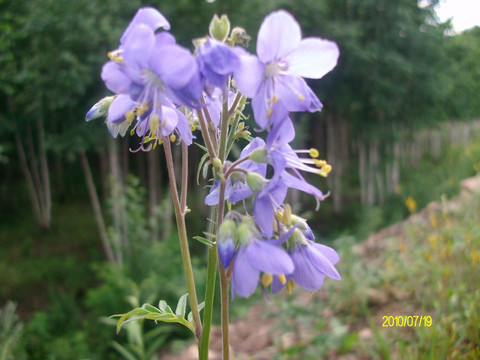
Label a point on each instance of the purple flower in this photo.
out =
(274, 80)
(156, 74)
(312, 262)
(256, 255)
(216, 62)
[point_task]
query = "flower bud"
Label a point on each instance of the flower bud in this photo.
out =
(259, 155)
(255, 181)
(226, 241)
(239, 36)
(219, 28)
(99, 109)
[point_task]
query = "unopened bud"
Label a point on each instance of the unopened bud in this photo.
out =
(239, 36)
(219, 28)
(100, 108)
(259, 155)
(255, 181)
(226, 241)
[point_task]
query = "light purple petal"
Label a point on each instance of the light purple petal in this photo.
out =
(168, 120)
(244, 276)
(118, 108)
(306, 275)
(249, 75)
(313, 58)
(294, 92)
(279, 34)
(148, 16)
(174, 65)
(269, 258)
(214, 194)
(329, 253)
(322, 263)
(115, 78)
(276, 285)
(138, 47)
(263, 214)
(183, 128)
(164, 38)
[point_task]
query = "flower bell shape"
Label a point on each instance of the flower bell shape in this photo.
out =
(157, 74)
(274, 79)
(257, 255)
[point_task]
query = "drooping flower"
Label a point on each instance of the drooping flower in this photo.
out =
(157, 74)
(312, 262)
(255, 255)
(216, 62)
(274, 79)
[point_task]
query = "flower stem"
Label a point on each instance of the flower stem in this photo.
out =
(209, 295)
(182, 235)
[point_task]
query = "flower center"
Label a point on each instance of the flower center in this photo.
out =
(276, 67)
(152, 80)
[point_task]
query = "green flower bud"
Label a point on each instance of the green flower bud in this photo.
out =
(259, 155)
(255, 181)
(100, 108)
(219, 28)
(239, 36)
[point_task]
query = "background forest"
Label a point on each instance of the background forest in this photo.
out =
(86, 226)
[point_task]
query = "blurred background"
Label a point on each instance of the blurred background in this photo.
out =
(86, 226)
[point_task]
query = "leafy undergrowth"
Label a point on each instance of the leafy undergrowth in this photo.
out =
(425, 266)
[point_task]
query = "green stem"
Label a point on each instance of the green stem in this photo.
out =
(209, 296)
(224, 131)
(182, 236)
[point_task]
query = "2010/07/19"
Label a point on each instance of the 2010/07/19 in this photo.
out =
(404, 321)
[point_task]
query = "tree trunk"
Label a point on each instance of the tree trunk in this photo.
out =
(96, 208)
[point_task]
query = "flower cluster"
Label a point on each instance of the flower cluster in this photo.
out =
(164, 92)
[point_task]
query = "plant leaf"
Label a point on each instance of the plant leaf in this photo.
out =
(203, 240)
(181, 306)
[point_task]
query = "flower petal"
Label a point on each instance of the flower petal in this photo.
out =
(249, 75)
(313, 58)
(306, 275)
(138, 47)
(118, 108)
(279, 34)
(269, 258)
(183, 128)
(329, 253)
(115, 79)
(244, 276)
(148, 16)
(321, 262)
(175, 65)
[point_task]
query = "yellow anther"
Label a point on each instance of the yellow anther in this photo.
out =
(301, 97)
(314, 153)
(282, 279)
(274, 99)
(173, 138)
(115, 56)
(192, 127)
(154, 123)
(326, 169)
(130, 116)
(269, 113)
(290, 286)
(142, 108)
(267, 279)
(319, 163)
(155, 144)
(160, 142)
(132, 132)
